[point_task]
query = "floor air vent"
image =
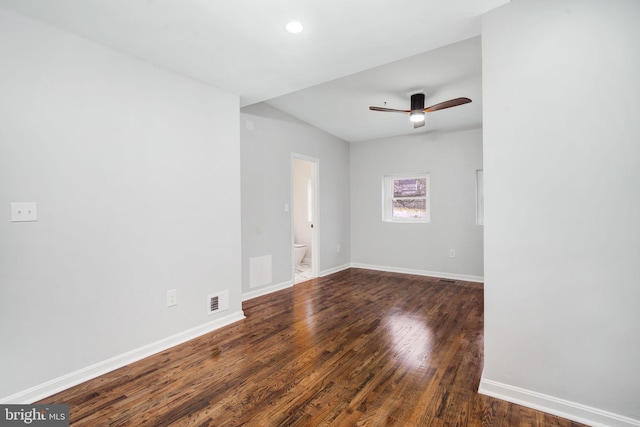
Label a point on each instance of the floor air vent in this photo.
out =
(217, 302)
(447, 281)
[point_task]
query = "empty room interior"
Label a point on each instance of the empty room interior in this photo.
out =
(401, 213)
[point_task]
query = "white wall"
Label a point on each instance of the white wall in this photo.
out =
(266, 188)
(562, 207)
(136, 174)
(452, 160)
(301, 225)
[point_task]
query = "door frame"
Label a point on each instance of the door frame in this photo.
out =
(315, 200)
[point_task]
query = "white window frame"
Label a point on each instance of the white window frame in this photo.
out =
(387, 198)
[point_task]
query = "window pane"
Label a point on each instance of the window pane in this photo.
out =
(409, 208)
(405, 198)
(410, 187)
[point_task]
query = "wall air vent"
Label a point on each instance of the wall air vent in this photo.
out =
(217, 302)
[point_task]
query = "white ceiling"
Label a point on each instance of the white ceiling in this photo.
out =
(341, 106)
(241, 46)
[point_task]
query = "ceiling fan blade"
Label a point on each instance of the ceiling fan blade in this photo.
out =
(447, 104)
(389, 110)
(418, 124)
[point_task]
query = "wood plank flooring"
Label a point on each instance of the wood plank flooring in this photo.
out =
(357, 348)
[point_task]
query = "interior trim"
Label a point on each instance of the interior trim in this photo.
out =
(563, 408)
(64, 382)
(266, 290)
(438, 274)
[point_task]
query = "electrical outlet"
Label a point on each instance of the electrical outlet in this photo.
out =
(21, 212)
(338, 248)
(452, 253)
(172, 297)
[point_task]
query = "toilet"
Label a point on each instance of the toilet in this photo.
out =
(299, 250)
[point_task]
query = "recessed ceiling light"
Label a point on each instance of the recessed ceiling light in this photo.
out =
(294, 27)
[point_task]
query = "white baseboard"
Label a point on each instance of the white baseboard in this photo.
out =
(64, 382)
(438, 274)
(335, 270)
(266, 290)
(553, 405)
(284, 285)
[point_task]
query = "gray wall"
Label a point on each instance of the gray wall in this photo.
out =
(136, 173)
(266, 189)
(562, 206)
(452, 160)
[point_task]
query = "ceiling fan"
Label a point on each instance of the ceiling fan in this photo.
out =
(417, 111)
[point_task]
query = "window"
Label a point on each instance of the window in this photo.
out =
(479, 197)
(406, 198)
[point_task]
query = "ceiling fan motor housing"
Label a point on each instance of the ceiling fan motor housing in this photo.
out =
(417, 101)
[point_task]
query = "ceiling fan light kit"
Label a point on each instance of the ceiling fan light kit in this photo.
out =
(416, 116)
(418, 111)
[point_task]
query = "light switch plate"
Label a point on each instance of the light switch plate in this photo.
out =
(172, 297)
(21, 212)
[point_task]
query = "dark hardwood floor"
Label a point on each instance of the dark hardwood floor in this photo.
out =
(355, 348)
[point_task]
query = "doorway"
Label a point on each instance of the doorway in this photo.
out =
(304, 217)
